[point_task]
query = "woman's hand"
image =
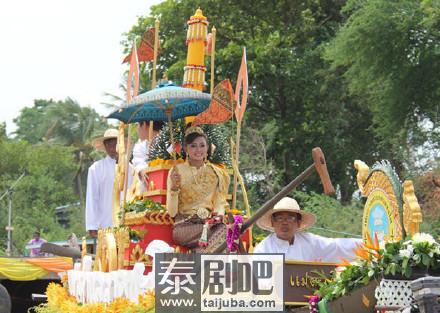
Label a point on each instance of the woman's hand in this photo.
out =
(143, 176)
(216, 219)
(176, 179)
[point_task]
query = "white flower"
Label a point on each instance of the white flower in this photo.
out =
(405, 253)
(423, 237)
(340, 269)
(356, 263)
(410, 248)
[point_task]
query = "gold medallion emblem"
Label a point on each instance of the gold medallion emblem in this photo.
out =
(203, 213)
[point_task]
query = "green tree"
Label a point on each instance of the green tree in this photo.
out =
(389, 54)
(65, 123)
(3, 134)
(293, 89)
(31, 123)
(46, 185)
(74, 126)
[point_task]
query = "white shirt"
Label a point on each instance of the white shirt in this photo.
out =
(100, 179)
(310, 247)
(140, 155)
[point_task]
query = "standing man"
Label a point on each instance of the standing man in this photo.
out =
(100, 181)
(35, 244)
(141, 148)
(288, 222)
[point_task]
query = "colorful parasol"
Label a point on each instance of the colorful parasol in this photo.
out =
(163, 103)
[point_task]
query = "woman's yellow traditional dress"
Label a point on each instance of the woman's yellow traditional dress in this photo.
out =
(202, 195)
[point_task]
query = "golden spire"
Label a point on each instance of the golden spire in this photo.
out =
(196, 39)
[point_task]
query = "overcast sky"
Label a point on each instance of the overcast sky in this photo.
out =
(62, 48)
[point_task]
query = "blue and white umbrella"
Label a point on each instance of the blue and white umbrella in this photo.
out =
(164, 103)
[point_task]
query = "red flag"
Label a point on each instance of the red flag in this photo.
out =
(220, 109)
(146, 48)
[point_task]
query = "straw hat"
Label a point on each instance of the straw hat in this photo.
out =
(286, 205)
(110, 133)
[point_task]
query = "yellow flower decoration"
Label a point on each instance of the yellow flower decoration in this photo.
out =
(147, 300)
(235, 211)
(58, 300)
(156, 162)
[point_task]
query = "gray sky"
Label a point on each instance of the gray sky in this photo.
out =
(62, 48)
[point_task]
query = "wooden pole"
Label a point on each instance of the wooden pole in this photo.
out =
(213, 32)
(127, 165)
(237, 156)
(134, 70)
(270, 203)
(242, 85)
(153, 78)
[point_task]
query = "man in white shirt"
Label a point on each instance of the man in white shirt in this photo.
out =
(141, 148)
(100, 180)
(287, 222)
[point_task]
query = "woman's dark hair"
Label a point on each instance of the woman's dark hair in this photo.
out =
(193, 136)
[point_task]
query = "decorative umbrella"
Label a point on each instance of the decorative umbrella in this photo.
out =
(165, 103)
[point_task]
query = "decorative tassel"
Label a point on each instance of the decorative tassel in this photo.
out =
(203, 241)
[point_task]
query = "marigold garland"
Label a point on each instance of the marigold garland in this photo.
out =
(59, 301)
(158, 162)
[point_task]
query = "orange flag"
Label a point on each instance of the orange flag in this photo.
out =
(208, 47)
(220, 109)
(146, 48)
(133, 75)
(242, 86)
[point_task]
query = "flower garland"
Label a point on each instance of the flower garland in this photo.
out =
(313, 304)
(233, 235)
(159, 161)
(420, 252)
(197, 20)
(195, 67)
(59, 301)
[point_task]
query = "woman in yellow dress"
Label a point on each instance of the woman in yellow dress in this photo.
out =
(196, 196)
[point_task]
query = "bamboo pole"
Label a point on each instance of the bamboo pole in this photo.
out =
(153, 78)
(213, 32)
(127, 165)
(237, 156)
(134, 70)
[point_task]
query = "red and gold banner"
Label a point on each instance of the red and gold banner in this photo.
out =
(220, 109)
(146, 48)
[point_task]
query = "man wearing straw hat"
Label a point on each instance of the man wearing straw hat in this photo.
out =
(288, 222)
(100, 181)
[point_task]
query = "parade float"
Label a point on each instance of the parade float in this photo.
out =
(121, 275)
(120, 278)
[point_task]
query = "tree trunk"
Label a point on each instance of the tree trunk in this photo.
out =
(346, 193)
